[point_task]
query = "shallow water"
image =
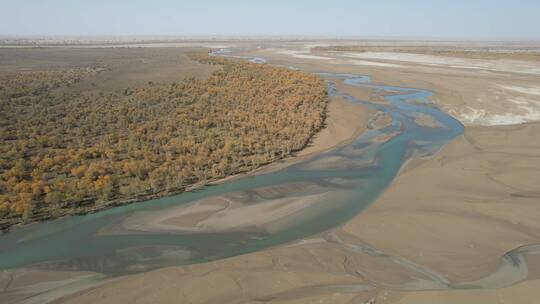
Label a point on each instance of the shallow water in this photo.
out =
(365, 167)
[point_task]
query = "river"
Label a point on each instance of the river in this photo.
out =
(332, 187)
(365, 168)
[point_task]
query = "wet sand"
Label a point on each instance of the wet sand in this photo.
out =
(222, 213)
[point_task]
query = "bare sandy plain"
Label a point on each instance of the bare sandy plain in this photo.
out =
(445, 231)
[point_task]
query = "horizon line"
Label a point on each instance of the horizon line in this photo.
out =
(171, 37)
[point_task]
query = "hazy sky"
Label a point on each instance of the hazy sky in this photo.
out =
(468, 19)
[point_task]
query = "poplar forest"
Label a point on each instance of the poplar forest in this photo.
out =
(65, 151)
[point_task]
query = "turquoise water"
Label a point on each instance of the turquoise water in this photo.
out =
(366, 167)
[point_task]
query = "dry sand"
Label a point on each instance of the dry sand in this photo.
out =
(345, 121)
(459, 212)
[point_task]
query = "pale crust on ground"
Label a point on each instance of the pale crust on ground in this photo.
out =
(475, 91)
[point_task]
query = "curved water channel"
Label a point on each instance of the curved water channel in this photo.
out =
(350, 178)
(332, 187)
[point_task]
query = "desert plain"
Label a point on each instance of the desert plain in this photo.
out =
(459, 225)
